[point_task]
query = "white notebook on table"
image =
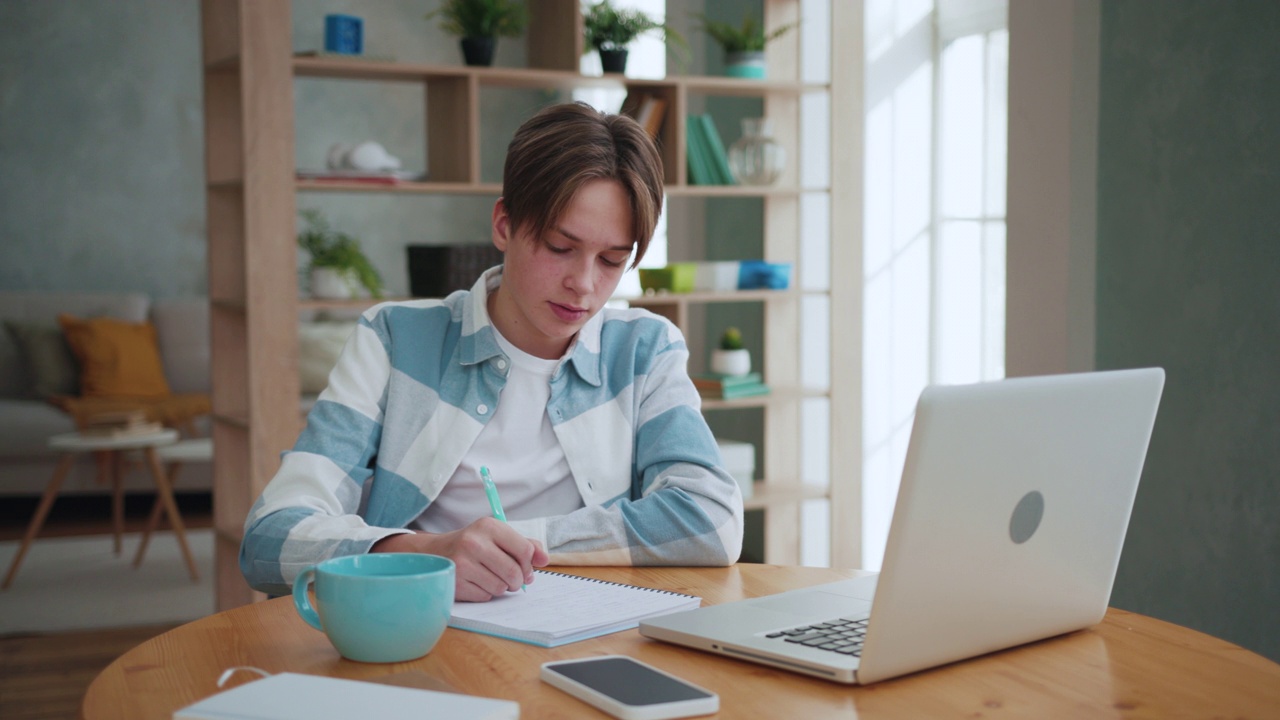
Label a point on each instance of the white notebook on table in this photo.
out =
(558, 609)
(291, 696)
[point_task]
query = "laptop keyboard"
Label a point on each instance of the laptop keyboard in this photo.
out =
(842, 636)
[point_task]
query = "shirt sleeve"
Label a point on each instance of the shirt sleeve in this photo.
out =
(308, 512)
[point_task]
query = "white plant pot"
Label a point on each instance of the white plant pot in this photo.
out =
(331, 284)
(731, 362)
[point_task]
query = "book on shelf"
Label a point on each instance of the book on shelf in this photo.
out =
(716, 381)
(735, 392)
(557, 609)
(651, 113)
(376, 177)
(715, 147)
(700, 172)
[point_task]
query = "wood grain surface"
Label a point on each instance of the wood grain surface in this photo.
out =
(1128, 666)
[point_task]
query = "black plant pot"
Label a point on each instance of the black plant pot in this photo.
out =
(478, 51)
(613, 61)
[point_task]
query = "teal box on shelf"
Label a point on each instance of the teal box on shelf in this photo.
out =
(758, 274)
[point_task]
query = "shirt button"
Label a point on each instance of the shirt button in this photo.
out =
(482, 408)
(591, 486)
(502, 364)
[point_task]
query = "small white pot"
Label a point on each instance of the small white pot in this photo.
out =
(731, 362)
(331, 284)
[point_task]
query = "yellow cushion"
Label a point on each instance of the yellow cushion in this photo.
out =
(117, 358)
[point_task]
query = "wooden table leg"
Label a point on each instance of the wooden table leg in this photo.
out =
(153, 522)
(117, 499)
(175, 519)
(42, 511)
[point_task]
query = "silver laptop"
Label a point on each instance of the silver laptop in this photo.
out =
(1012, 511)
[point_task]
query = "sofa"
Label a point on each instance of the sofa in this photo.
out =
(27, 415)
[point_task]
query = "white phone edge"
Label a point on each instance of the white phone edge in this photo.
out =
(664, 711)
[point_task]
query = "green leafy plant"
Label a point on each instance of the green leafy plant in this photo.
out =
(750, 37)
(611, 28)
(482, 18)
(731, 339)
(338, 251)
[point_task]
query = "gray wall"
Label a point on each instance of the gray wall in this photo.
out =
(101, 147)
(102, 141)
(1189, 278)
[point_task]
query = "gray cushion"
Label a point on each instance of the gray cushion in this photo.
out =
(28, 425)
(50, 366)
(182, 333)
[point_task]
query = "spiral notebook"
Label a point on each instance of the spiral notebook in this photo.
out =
(559, 609)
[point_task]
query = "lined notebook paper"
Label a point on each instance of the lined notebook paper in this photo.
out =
(560, 609)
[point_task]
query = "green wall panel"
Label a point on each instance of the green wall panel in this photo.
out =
(1189, 279)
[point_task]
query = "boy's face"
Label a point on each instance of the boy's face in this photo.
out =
(552, 285)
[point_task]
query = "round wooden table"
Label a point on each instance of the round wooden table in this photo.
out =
(1127, 666)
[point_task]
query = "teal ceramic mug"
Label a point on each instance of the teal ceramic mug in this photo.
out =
(380, 607)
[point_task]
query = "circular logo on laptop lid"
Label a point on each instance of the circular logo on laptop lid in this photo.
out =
(1026, 517)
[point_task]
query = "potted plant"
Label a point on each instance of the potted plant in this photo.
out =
(731, 358)
(609, 30)
(743, 46)
(479, 23)
(338, 267)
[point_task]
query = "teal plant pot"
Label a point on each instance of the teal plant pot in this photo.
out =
(744, 65)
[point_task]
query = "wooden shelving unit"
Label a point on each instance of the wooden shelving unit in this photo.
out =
(251, 186)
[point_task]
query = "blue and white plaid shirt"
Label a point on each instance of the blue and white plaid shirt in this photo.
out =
(411, 392)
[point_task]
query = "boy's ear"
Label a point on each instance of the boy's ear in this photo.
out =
(501, 226)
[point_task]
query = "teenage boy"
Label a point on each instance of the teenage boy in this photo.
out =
(585, 416)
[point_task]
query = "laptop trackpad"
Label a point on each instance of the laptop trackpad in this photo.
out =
(814, 604)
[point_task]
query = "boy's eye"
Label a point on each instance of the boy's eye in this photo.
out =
(557, 250)
(612, 263)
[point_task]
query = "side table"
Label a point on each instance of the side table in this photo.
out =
(108, 449)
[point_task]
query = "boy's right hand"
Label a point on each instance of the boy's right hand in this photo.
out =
(490, 556)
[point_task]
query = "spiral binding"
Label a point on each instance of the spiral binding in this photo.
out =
(616, 584)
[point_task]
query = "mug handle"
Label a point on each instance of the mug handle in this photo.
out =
(300, 601)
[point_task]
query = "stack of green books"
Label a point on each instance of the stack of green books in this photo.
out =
(708, 161)
(727, 387)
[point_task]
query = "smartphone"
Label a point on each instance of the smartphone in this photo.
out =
(629, 689)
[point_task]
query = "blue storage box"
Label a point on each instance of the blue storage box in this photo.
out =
(757, 274)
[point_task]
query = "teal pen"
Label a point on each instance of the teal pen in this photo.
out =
(491, 491)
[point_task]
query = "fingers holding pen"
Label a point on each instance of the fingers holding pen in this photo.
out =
(492, 559)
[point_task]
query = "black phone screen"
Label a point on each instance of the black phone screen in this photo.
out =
(628, 682)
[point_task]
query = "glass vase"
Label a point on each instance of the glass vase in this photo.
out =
(756, 158)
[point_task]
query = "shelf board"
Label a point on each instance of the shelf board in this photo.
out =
(707, 296)
(775, 395)
(750, 191)
(765, 495)
(347, 304)
(495, 189)
(236, 305)
(236, 421)
(452, 188)
(356, 69)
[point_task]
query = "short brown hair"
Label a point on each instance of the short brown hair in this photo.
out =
(563, 147)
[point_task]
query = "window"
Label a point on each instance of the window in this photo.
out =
(934, 222)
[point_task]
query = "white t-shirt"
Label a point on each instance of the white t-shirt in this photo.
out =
(520, 449)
